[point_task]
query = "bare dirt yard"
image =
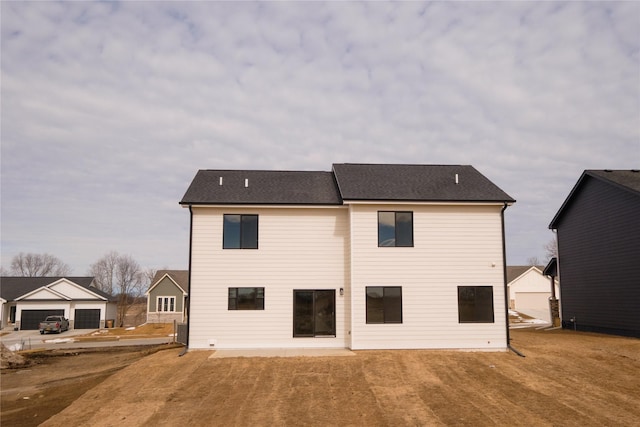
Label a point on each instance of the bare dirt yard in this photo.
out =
(566, 378)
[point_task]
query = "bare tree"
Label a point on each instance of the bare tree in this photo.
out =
(533, 260)
(128, 283)
(147, 276)
(104, 271)
(121, 276)
(38, 265)
(551, 248)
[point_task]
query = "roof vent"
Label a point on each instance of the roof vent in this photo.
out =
(246, 182)
(221, 181)
(457, 179)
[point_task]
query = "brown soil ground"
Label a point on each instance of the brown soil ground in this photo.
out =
(49, 381)
(146, 330)
(566, 378)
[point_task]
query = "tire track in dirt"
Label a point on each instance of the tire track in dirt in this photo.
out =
(132, 395)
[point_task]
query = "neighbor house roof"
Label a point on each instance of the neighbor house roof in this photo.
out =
(180, 277)
(552, 268)
(353, 182)
(262, 187)
(416, 183)
(15, 287)
(515, 271)
(627, 180)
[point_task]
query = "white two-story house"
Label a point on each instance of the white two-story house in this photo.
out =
(366, 256)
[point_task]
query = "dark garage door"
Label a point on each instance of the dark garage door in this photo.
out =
(87, 319)
(30, 319)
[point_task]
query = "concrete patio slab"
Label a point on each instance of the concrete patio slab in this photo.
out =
(283, 352)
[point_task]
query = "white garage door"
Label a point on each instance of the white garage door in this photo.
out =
(535, 304)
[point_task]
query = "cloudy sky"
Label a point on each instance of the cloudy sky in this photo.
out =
(109, 109)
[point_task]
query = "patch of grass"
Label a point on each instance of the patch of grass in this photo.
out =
(147, 329)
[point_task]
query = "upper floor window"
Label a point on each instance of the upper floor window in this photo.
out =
(246, 299)
(240, 232)
(475, 304)
(395, 228)
(384, 304)
(166, 304)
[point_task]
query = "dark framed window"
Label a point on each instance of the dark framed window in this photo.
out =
(246, 298)
(314, 313)
(240, 232)
(395, 229)
(475, 304)
(384, 304)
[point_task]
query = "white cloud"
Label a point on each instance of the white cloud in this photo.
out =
(110, 108)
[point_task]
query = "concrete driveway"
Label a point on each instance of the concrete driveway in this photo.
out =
(30, 340)
(27, 340)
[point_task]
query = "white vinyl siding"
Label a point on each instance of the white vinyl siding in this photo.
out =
(453, 246)
(72, 290)
(299, 248)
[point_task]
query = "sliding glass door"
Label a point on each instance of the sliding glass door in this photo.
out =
(314, 313)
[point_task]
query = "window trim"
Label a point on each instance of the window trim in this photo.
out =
(384, 313)
(475, 287)
(240, 243)
(395, 230)
(166, 301)
(258, 301)
(316, 333)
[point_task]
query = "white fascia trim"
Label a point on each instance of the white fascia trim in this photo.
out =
(167, 275)
(82, 288)
(43, 288)
(272, 206)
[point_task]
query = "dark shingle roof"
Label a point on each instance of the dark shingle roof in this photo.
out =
(181, 277)
(14, 287)
(416, 183)
(627, 180)
(375, 182)
(264, 187)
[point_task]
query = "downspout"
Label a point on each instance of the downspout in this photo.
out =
(186, 346)
(504, 278)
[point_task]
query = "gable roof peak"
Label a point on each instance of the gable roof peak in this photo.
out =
(626, 180)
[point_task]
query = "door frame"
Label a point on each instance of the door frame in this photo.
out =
(314, 314)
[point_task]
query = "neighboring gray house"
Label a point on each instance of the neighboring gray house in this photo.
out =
(598, 228)
(363, 257)
(167, 296)
(26, 301)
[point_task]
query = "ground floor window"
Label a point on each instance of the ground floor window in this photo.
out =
(384, 304)
(166, 304)
(314, 313)
(246, 299)
(475, 304)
